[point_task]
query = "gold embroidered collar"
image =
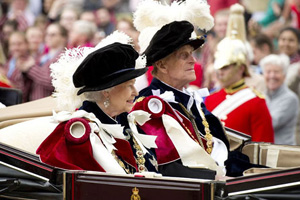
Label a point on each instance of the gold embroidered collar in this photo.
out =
(236, 87)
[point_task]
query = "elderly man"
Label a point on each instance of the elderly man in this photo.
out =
(170, 52)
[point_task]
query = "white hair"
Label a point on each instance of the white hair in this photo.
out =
(281, 60)
(96, 96)
(85, 27)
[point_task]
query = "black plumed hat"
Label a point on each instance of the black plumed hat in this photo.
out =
(169, 38)
(107, 67)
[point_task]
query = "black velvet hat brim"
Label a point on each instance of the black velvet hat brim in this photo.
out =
(114, 79)
(170, 38)
(162, 53)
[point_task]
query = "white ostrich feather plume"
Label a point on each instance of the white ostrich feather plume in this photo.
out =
(145, 14)
(146, 36)
(197, 12)
(153, 13)
(62, 71)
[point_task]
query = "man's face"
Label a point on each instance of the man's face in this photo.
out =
(229, 75)
(180, 67)
(259, 52)
(221, 26)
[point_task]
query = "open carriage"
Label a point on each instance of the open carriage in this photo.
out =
(23, 176)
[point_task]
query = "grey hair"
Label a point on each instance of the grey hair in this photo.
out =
(85, 27)
(96, 96)
(281, 60)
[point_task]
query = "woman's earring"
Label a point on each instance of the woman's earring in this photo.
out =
(106, 103)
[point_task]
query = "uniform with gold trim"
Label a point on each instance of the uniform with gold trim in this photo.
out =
(251, 117)
(238, 106)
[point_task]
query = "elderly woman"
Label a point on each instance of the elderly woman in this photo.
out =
(92, 137)
(281, 101)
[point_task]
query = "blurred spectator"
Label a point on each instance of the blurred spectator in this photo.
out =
(8, 28)
(4, 82)
(261, 46)
(35, 6)
(56, 40)
(288, 43)
(35, 39)
(53, 8)
(82, 34)
(99, 35)
(48, 8)
(283, 104)
(20, 58)
(291, 12)
(272, 13)
(207, 52)
(88, 16)
(90, 5)
(104, 20)
(20, 12)
(217, 34)
(42, 22)
(126, 25)
(68, 16)
(112, 5)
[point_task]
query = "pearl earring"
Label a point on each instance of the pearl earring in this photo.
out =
(106, 103)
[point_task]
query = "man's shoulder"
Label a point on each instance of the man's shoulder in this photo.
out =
(145, 92)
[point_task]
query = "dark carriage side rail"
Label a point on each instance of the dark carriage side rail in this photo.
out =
(270, 181)
(29, 164)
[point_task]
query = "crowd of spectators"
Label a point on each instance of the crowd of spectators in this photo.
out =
(34, 32)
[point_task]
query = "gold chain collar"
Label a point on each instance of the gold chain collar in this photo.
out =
(207, 136)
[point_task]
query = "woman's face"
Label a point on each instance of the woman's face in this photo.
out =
(35, 38)
(54, 38)
(18, 46)
(67, 19)
(121, 97)
(288, 43)
(274, 76)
